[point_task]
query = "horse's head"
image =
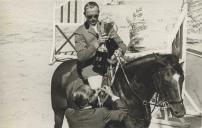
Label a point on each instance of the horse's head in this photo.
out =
(168, 83)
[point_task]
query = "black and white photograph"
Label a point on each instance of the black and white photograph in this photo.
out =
(100, 63)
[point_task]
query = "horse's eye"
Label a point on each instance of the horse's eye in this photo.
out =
(168, 75)
(171, 72)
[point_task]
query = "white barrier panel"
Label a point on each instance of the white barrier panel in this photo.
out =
(67, 16)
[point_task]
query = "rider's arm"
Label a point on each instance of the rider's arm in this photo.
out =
(120, 111)
(85, 51)
(115, 115)
(113, 35)
(116, 100)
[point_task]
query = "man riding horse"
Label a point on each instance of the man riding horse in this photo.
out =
(135, 82)
(96, 42)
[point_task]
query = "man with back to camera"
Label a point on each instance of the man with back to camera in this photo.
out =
(85, 116)
(95, 46)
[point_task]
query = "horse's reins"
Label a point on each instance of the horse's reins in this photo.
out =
(134, 92)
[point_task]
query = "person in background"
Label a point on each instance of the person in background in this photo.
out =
(85, 116)
(95, 43)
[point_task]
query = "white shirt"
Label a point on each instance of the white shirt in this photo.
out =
(95, 28)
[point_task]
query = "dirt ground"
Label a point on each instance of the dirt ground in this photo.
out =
(25, 46)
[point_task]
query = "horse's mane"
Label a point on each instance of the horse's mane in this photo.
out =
(151, 58)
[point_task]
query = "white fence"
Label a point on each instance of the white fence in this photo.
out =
(65, 14)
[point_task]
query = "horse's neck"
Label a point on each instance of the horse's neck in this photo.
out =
(146, 92)
(125, 91)
(136, 89)
(139, 73)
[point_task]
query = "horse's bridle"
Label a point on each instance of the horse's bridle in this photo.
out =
(158, 86)
(145, 102)
(136, 94)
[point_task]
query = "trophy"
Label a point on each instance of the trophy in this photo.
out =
(106, 27)
(102, 52)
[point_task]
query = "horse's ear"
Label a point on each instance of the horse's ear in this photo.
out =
(179, 67)
(156, 55)
(159, 59)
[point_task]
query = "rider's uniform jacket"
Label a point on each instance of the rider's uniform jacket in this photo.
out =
(86, 42)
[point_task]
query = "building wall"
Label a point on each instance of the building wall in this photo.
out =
(195, 16)
(193, 81)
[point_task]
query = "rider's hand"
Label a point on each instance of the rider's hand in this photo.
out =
(117, 55)
(94, 97)
(103, 39)
(107, 90)
(118, 52)
(97, 91)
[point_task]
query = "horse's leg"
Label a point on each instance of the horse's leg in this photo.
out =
(58, 117)
(59, 84)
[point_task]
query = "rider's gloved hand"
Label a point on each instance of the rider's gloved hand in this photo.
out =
(118, 52)
(103, 39)
(108, 91)
(117, 55)
(93, 98)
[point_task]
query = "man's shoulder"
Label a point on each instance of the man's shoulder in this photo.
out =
(80, 29)
(94, 111)
(102, 110)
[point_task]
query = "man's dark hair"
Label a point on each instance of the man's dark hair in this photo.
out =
(90, 4)
(81, 97)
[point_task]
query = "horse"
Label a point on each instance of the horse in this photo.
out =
(135, 83)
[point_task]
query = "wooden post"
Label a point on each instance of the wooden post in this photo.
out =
(61, 14)
(82, 18)
(68, 12)
(184, 42)
(181, 39)
(75, 18)
(52, 57)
